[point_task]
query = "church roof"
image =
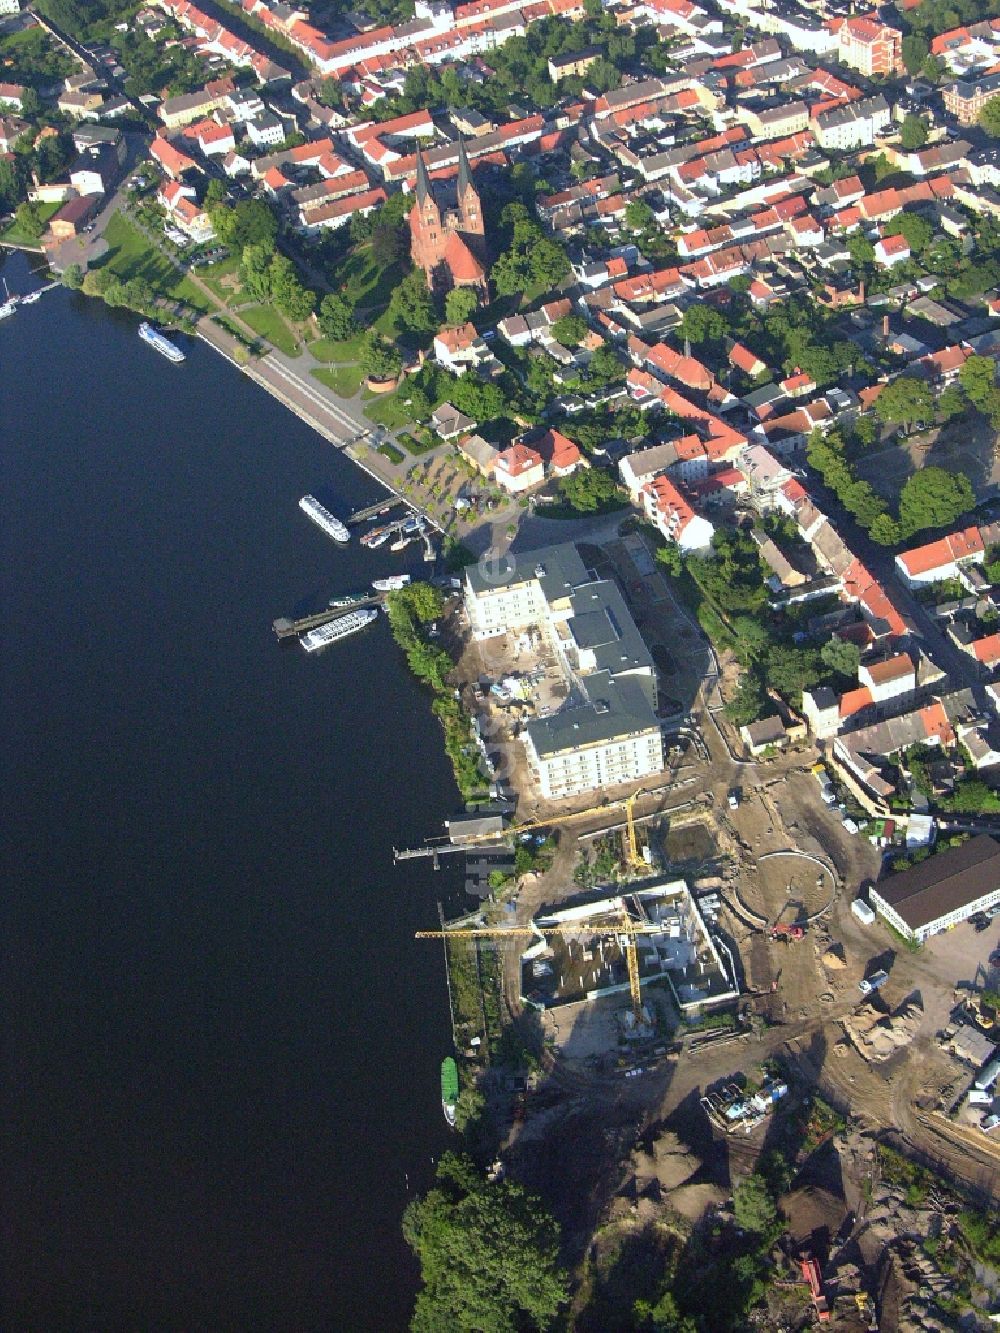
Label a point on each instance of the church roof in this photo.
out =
(461, 262)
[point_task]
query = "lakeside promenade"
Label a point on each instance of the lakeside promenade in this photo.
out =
(341, 421)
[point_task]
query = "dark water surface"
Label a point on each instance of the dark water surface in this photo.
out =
(220, 1044)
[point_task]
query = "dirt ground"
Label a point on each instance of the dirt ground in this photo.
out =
(967, 447)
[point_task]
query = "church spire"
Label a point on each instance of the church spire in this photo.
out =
(464, 170)
(423, 181)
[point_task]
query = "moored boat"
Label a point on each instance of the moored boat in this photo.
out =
(449, 1089)
(322, 517)
(392, 583)
(338, 629)
(159, 343)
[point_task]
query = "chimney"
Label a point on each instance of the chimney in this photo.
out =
(885, 326)
(861, 293)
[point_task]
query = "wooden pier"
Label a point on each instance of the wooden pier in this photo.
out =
(285, 628)
(373, 511)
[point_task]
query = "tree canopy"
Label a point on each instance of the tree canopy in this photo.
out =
(460, 304)
(702, 324)
(588, 489)
(989, 117)
(912, 133)
(934, 498)
(379, 359)
(905, 401)
(488, 1255)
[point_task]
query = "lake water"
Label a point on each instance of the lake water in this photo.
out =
(220, 1042)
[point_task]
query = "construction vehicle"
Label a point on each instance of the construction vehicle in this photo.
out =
(617, 924)
(787, 932)
(811, 1275)
(866, 1309)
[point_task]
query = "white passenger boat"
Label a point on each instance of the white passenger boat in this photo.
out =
(322, 517)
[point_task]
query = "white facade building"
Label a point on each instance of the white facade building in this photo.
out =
(607, 732)
(942, 891)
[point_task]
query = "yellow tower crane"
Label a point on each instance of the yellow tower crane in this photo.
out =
(621, 923)
(632, 857)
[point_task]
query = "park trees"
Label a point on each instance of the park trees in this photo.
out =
(255, 271)
(488, 1254)
(379, 358)
(912, 133)
(934, 498)
(905, 401)
(289, 295)
(250, 222)
(588, 490)
(336, 318)
(460, 304)
(411, 307)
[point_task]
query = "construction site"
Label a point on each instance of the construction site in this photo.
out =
(686, 980)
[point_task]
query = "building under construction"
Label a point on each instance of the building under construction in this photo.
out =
(564, 965)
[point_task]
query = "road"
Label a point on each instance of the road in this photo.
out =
(87, 57)
(881, 562)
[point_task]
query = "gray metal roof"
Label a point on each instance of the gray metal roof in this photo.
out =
(616, 708)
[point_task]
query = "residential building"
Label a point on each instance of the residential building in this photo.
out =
(767, 734)
(965, 98)
(868, 45)
(674, 517)
(942, 891)
(942, 559)
(518, 469)
(851, 124)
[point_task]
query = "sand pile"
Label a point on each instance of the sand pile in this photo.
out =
(877, 1036)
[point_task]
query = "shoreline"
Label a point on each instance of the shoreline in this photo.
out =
(311, 420)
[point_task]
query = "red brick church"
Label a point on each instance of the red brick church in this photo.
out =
(447, 231)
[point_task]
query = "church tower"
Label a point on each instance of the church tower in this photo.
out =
(447, 230)
(426, 236)
(470, 209)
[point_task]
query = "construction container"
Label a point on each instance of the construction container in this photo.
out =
(862, 911)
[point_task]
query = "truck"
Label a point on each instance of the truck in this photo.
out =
(785, 931)
(868, 985)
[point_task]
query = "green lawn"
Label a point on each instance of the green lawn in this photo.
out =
(15, 236)
(266, 321)
(212, 275)
(233, 329)
(343, 380)
(360, 279)
(130, 255)
(415, 445)
(327, 349)
(387, 410)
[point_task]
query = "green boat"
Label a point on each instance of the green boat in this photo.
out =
(449, 1089)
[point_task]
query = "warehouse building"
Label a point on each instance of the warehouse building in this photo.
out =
(941, 891)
